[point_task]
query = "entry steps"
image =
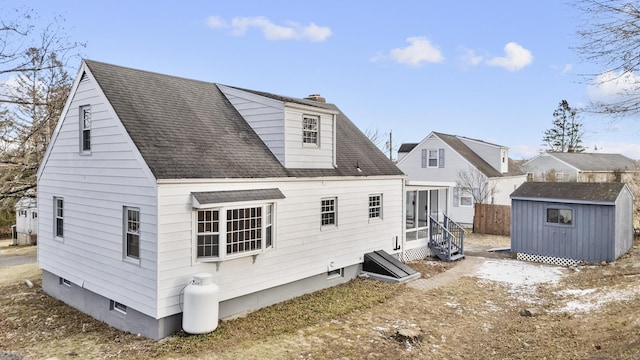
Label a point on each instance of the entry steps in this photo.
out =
(380, 265)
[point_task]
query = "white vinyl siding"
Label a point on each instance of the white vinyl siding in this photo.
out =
(301, 248)
(94, 189)
(280, 127)
(264, 115)
(301, 155)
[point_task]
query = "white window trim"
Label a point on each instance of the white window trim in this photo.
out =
(466, 195)
(380, 216)
(429, 158)
(317, 130)
(81, 112)
(222, 231)
(118, 307)
(335, 213)
(125, 232)
(56, 217)
(335, 273)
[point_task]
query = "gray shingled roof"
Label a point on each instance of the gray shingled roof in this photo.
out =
(218, 197)
(461, 148)
(575, 191)
(596, 162)
(188, 129)
(407, 147)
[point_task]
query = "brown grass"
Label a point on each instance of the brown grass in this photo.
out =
(466, 319)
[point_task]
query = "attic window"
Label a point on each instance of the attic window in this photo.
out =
(310, 129)
(85, 129)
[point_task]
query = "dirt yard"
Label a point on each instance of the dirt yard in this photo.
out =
(505, 309)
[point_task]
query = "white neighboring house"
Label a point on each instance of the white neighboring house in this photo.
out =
(432, 167)
(150, 179)
(26, 221)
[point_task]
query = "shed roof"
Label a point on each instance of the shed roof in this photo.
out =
(187, 128)
(569, 191)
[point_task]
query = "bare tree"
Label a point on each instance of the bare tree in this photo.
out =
(610, 37)
(384, 142)
(476, 184)
(34, 88)
(566, 133)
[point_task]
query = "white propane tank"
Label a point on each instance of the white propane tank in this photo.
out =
(200, 311)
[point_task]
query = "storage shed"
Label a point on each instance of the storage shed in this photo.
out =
(26, 221)
(569, 223)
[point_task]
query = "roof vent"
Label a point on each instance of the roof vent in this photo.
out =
(316, 97)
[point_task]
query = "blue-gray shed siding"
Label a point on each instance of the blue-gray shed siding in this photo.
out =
(624, 224)
(591, 237)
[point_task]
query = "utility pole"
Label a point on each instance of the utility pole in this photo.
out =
(390, 145)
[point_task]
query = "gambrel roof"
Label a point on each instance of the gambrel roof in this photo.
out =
(594, 161)
(471, 156)
(569, 191)
(187, 128)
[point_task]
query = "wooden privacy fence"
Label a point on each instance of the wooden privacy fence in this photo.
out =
(492, 219)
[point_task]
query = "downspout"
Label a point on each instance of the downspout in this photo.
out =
(335, 141)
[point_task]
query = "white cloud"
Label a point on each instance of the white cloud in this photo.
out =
(515, 58)
(420, 51)
(612, 87)
(567, 69)
(215, 22)
(525, 152)
(470, 58)
(293, 31)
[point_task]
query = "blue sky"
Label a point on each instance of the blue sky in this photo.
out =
(490, 70)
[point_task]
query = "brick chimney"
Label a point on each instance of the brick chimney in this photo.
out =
(316, 97)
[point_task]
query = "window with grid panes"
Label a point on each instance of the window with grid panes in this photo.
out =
(310, 129)
(328, 212)
(375, 206)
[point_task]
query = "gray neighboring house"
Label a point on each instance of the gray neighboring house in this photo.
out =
(567, 223)
(580, 167)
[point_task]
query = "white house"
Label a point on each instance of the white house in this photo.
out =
(26, 221)
(433, 167)
(150, 179)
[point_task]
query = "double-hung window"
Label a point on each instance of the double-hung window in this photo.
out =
(375, 206)
(58, 210)
(234, 231)
(433, 158)
(328, 211)
(132, 233)
(85, 129)
(310, 125)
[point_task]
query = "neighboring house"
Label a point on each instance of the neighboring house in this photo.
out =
(580, 167)
(567, 223)
(150, 179)
(26, 221)
(433, 166)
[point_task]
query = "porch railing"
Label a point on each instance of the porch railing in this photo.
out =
(446, 239)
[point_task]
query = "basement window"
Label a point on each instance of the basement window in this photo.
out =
(331, 274)
(65, 282)
(116, 306)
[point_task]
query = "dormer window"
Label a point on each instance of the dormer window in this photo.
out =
(310, 130)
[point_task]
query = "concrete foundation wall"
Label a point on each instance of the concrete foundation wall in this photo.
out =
(135, 322)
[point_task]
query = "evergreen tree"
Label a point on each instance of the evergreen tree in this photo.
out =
(567, 131)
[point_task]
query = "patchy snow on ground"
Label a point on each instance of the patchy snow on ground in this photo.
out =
(521, 277)
(591, 299)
